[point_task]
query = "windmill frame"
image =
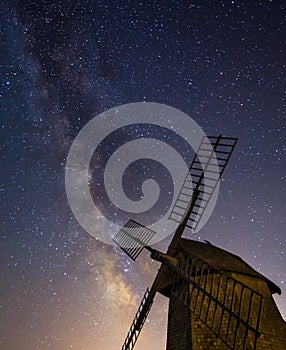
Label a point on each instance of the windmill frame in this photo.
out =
(212, 295)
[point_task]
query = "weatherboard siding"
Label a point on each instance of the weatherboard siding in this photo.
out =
(186, 331)
(179, 326)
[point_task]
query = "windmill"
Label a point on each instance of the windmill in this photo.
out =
(207, 300)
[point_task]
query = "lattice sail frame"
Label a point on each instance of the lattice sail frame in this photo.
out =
(138, 321)
(133, 237)
(219, 301)
(204, 173)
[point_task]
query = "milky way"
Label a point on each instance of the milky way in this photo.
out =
(64, 62)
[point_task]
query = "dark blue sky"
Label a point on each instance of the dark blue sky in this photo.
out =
(63, 62)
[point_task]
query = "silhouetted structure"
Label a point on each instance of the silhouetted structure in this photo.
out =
(217, 301)
(230, 307)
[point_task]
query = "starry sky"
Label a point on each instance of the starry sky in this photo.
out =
(64, 62)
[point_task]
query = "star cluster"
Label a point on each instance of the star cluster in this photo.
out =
(64, 62)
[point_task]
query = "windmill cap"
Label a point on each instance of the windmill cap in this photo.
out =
(224, 260)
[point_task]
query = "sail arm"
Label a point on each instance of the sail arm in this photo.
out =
(138, 321)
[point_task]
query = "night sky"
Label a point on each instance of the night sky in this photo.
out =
(64, 62)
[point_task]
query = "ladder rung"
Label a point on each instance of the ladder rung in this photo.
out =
(223, 145)
(224, 159)
(172, 218)
(182, 200)
(209, 178)
(187, 187)
(197, 169)
(205, 150)
(223, 152)
(211, 171)
(222, 138)
(186, 194)
(202, 200)
(217, 144)
(194, 175)
(193, 220)
(207, 164)
(202, 184)
(176, 205)
(198, 206)
(205, 169)
(175, 212)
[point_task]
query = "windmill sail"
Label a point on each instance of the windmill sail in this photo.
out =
(186, 279)
(133, 237)
(138, 321)
(204, 173)
(219, 301)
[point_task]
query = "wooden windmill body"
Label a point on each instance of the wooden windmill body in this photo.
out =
(216, 300)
